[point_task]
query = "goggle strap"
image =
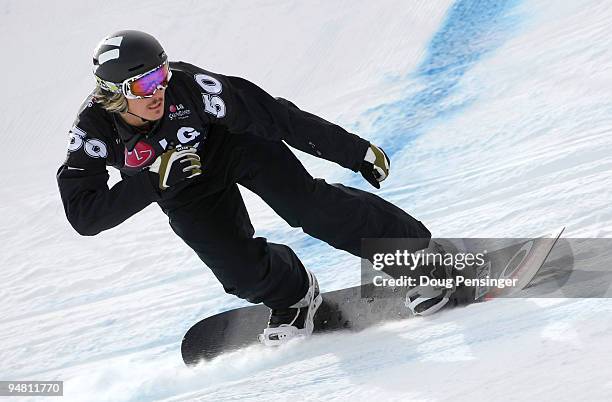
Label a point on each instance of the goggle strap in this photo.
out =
(124, 87)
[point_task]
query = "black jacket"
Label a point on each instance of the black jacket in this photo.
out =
(198, 104)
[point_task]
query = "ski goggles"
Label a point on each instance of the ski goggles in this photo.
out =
(141, 86)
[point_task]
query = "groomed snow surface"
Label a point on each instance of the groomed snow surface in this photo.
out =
(497, 116)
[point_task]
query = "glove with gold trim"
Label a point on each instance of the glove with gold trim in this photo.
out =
(375, 166)
(176, 165)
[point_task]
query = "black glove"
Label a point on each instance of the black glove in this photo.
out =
(375, 166)
(175, 165)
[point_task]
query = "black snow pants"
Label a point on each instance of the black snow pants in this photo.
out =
(216, 225)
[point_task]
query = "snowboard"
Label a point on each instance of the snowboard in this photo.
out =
(359, 307)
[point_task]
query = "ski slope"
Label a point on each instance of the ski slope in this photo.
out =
(497, 116)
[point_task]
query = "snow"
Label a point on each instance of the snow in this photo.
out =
(497, 116)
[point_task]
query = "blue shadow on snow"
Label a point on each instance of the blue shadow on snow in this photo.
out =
(472, 30)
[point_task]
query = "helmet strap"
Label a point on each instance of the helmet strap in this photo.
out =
(140, 117)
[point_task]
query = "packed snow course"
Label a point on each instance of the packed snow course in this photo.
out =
(497, 116)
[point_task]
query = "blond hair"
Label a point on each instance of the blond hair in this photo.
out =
(111, 102)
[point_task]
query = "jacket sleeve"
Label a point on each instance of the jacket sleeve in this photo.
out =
(243, 107)
(90, 205)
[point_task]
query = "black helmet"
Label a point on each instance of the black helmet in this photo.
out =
(126, 54)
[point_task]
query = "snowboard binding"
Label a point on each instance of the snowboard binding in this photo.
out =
(295, 321)
(426, 300)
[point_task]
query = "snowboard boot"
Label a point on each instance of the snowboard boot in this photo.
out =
(294, 321)
(426, 300)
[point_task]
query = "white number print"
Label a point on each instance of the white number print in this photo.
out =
(212, 87)
(93, 147)
(209, 84)
(75, 139)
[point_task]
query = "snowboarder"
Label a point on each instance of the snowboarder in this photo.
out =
(184, 137)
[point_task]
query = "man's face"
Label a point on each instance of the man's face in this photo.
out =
(149, 108)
